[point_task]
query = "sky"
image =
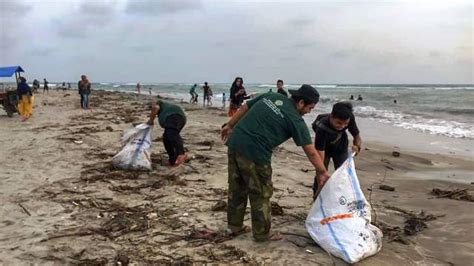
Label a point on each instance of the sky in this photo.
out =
(191, 41)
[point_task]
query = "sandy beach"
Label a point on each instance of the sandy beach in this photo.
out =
(63, 203)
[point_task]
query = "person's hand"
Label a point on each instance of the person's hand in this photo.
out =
(355, 149)
(241, 91)
(322, 179)
(225, 132)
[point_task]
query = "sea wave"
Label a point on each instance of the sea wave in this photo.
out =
(416, 122)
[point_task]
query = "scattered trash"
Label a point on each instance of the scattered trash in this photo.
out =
(109, 128)
(309, 251)
(276, 209)
(456, 194)
(386, 187)
(396, 151)
(220, 206)
(78, 141)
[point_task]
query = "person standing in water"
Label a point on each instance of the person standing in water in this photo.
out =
(237, 96)
(194, 95)
(223, 100)
(280, 88)
(206, 90)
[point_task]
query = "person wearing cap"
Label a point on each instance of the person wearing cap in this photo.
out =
(172, 118)
(258, 127)
(331, 139)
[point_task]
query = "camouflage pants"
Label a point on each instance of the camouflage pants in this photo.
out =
(254, 182)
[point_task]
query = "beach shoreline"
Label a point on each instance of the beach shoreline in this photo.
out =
(56, 166)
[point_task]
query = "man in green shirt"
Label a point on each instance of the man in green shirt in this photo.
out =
(172, 118)
(252, 133)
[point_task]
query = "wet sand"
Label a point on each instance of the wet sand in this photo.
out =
(62, 202)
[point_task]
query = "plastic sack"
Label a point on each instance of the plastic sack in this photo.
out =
(135, 154)
(339, 220)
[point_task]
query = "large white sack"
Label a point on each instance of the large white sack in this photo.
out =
(135, 154)
(339, 220)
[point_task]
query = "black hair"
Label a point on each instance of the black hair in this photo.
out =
(235, 81)
(299, 98)
(342, 110)
(205, 82)
(278, 81)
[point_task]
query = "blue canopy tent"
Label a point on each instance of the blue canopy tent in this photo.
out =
(10, 70)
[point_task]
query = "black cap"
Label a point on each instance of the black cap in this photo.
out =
(307, 92)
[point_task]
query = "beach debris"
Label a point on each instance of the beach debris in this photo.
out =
(413, 226)
(121, 259)
(67, 94)
(396, 151)
(219, 206)
(207, 234)
(78, 141)
(386, 188)
(309, 251)
(276, 209)
(456, 194)
(109, 128)
(24, 209)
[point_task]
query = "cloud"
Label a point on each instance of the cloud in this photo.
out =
(151, 7)
(301, 22)
(88, 17)
(12, 20)
(13, 8)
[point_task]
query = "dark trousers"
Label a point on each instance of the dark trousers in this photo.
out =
(171, 139)
(338, 158)
(82, 100)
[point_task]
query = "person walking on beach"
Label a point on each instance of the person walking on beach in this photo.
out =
(25, 97)
(280, 88)
(224, 100)
(149, 91)
(85, 91)
(138, 88)
(237, 95)
(45, 86)
(194, 95)
(172, 118)
(206, 97)
(331, 139)
(255, 130)
(68, 86)
(36, 85)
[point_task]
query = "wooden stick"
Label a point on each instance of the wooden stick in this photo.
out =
(24, 209)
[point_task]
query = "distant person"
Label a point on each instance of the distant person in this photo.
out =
(395, 101)
(205, 89)
(68, 86)
(149, 91)
(352, 97)
(223, 100)
(45, 86)
(209, 97)
(270, 90)
(359, 98)
(85, 91)
(251, 135)
(63, 86)
(194, 95)
(25, 97)
(36, 85)
(280, 88)
(237, 95)
(172, 118)
(331, 139)
(138, 88)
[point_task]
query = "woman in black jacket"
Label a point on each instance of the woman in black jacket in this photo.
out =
(237, 95)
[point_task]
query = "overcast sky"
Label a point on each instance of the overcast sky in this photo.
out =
(192, 41)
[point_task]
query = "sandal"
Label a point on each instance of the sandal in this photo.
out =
(243, 230)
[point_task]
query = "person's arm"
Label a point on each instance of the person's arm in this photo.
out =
(317, 160)
(154, 112)
(356, 144)
(227, 128)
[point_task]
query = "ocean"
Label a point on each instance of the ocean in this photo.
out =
(446, 110)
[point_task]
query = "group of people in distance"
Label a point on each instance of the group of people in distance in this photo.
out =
(255, 128)
(207, 95)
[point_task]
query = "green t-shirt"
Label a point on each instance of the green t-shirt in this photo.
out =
(271, 119)
(167, 109)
